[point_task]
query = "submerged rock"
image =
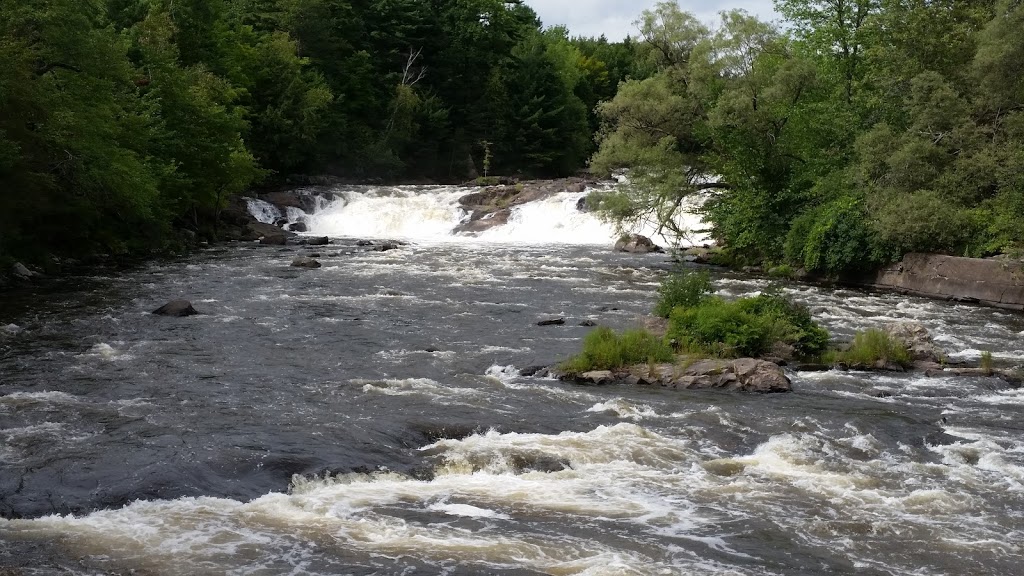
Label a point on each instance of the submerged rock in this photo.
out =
(317, 241)
(552, 322)
(636, 244)
(176, 308)
(305, 262)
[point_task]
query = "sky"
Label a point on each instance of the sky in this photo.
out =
(614, 18)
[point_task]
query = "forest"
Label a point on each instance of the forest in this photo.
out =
(836, 140)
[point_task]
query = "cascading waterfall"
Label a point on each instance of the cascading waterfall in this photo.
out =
(263, 211)
(433, 214)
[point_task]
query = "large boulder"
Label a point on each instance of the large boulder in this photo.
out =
(917, 341)
(176, 308)
(21, 272)
(481, 221)
(267, 234)
(636, 244)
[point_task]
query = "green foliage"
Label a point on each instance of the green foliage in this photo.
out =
(873, 347)
(746, 327)
(789, 323)
(857, 132)
(683, 288)
(986, 362)
(603, 349)
(124, 119)
(832, 239)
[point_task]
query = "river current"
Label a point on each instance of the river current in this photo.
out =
(369, 418)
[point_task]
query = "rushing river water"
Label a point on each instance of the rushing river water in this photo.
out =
(367, 418)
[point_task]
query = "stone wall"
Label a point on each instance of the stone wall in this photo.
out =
(994, 282)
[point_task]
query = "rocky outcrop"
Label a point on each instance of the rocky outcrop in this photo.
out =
(742, 374)
(21, 272)
(636, 244)
(267, 234)
(918, 342)
(472, 227)
(493, 205)
(993, 282)
(303, 199)
(177, 309)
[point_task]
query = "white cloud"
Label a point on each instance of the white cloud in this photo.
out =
(614, 18)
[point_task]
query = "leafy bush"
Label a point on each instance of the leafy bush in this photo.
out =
(746, 327)
(832, 239)
(873, 346)
(789, 322)
(720, 328)
(686, 289)
(603, 349)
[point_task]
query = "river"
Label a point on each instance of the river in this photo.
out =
(368, 418)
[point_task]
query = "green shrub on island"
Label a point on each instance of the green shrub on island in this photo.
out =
(702, 323)
(719, 328)
(873, 347)
(684, 288)
(789, 323)
(603, 349)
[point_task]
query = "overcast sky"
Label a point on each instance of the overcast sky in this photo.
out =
(614, 18)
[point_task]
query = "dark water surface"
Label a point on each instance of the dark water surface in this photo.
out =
(367, 418)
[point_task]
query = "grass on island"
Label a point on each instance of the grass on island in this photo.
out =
(603, 349)
(872, 347)
(986, 362)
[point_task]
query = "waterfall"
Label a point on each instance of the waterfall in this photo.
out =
(263, 211)
(432, 213)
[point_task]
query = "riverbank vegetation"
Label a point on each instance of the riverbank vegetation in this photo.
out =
(126, 122)
(835, 142)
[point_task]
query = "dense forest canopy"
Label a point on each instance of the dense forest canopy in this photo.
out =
(851, 133)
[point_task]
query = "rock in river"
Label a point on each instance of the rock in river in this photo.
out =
(176, 308)
(636, 244)
(305, 262)
(741, 374)
(552, 322)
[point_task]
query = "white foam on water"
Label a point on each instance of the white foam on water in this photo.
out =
(405, 213)
(106, 352)
(413, 386)
(263, 211)
(467, 511)
(29, 398)
(624, 409)
(431, 214)
(621, 477)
